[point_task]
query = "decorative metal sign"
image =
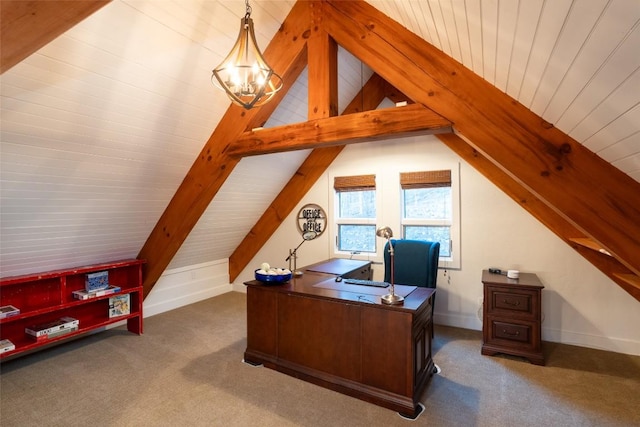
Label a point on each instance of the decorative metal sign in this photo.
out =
(312, 219)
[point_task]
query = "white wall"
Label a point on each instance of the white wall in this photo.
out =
(581, 306)
(182, 286)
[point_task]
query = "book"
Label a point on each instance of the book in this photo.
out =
(56, 334)
(6, 345)
(96, 281)
(119, 305)
(8, 311)
(83, 294)
(45, 329)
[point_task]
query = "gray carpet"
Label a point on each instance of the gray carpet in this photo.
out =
(186, 370)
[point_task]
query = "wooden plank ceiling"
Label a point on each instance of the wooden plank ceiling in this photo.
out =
(556, 170)
(29, 25)
(582, 198)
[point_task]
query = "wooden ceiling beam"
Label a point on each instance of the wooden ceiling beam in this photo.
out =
(300, 183)
(539, 210)
(594, 196)
(322, 68)
(395, 95)
(351, 128)
(502, 132)
(323, 101)
(26, 26)
(287, 55)
(369, 97)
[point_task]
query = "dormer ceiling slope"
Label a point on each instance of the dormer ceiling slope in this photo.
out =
(581, 197)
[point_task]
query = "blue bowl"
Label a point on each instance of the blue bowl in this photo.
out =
(273, 278)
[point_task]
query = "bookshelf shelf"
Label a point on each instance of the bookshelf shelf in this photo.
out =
(46, 297)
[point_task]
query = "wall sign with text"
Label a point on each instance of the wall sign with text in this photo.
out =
(312, 219)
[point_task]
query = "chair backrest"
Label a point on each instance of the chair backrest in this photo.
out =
(415, 262)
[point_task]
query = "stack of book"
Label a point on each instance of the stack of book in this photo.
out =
(46, 331)
(84, 294)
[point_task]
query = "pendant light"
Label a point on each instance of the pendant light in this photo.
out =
(244, 74)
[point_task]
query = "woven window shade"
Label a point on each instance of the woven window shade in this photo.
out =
(354, 183)
(427, 179)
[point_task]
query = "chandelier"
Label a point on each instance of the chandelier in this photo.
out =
(244, 74)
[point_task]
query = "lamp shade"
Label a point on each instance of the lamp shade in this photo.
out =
(384, 232)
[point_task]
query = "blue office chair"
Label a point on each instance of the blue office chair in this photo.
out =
(415, 263)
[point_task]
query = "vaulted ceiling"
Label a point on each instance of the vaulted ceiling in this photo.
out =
(102, 124)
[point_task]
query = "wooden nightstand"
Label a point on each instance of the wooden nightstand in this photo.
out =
(512, 316)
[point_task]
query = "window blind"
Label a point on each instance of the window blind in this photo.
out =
(426, 179)
(354, 183)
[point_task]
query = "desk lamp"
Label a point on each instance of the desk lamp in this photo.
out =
(307, 235)
(390, 298)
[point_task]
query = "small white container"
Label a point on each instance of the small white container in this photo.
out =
(513, 274)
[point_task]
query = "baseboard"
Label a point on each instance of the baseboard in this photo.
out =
(187, 285)
(599, 342)
(458, 321)
(617, 345)
(240, 287)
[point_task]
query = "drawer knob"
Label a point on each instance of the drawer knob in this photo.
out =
(515, 304)
(513, 334)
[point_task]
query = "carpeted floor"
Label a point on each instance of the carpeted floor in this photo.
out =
(186, 370)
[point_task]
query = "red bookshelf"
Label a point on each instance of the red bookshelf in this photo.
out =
(45, 297)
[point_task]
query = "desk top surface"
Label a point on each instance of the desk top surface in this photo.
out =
(324, 285)
(337, 266)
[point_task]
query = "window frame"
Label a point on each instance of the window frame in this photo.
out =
(454, 259)
(353, 183)
(390, 213)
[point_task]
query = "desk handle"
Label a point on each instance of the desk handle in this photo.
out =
(515, 304)
(504, 331)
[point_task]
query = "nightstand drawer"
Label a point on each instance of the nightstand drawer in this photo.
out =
(511, 331)
(511, 301)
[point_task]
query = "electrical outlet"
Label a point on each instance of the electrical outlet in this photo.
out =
(480, 308)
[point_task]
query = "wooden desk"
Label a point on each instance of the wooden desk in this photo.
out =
(342, 337)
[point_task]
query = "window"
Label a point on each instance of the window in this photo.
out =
(415, 205)
(427, 208)
(355, 213)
